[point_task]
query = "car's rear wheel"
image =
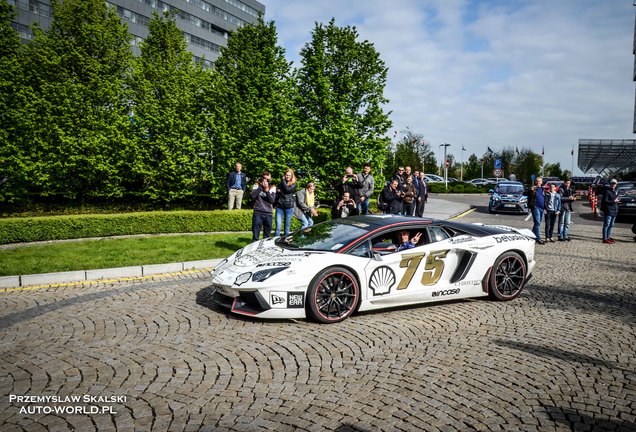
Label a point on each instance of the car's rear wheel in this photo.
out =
(507, 276)
(333, 295)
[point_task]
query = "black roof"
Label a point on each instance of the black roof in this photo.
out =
(377, 221)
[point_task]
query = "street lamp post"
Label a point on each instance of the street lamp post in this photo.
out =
(445, 165)
(461, 166)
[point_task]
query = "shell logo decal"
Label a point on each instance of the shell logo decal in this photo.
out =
(382, 280)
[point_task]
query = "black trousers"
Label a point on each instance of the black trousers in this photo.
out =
(264, 221)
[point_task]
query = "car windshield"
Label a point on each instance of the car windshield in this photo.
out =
(509, 189)
(328, 236)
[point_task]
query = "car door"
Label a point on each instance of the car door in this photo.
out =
(412, 275)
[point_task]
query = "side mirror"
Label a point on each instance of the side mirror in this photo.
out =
(491, 191)
(383, 248)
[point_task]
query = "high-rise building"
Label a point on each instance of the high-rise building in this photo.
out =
(206, 24)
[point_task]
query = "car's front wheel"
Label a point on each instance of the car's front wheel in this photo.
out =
(333, 295)
(507, 276)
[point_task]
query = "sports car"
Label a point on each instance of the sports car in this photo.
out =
(332, 269)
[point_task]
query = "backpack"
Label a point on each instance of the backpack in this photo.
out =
(382, 206)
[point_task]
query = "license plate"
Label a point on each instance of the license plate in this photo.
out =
(630, 204)
(510, 205)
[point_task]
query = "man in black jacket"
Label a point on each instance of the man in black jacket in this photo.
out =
(609, 207)
(392, 198)
(567, 197)
(264, 196)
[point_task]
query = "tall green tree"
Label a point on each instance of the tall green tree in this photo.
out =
(527, 164)
(553, 170)
(77, 71)
(252, 117)
(412, 150)
(172, 150)
(13, 161)
(472, 168)
(340, 97)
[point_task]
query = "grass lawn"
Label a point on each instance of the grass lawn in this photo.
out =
(117, 252)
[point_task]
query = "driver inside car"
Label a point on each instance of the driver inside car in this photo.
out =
(405, 242)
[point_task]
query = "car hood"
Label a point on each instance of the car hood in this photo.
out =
(259, 254)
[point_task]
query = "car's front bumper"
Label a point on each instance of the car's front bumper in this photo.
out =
(261, 303)
(509, 206)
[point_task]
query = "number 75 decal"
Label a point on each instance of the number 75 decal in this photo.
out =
(433, 267)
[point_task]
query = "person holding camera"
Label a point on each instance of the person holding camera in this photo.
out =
(285, 202)
(264, 197)
(349, 183)
(344, 208)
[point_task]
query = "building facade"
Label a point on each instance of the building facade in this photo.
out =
(206, 24)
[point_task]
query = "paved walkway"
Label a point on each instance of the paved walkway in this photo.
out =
(156, 355)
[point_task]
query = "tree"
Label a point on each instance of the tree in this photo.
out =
(13, 162)
(78, 112)
(411, 150)
(340, 97)
(472, 169)
(172, 150)
(528, 163)
(250, 105)
(553, 170)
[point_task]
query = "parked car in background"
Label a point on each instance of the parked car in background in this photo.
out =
(433, 178)
(557, 183)
(508, 196)
(627, 198)
(479, 182)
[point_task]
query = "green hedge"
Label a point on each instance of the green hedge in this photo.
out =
(458, 187)
(19, 230)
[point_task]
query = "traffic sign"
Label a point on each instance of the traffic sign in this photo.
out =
(497, 172)
(498, 164)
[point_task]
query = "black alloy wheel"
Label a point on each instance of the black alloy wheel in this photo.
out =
(333, 295)
(507, 276)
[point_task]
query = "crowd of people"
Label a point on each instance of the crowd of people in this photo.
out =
(556, 208)
(405, 194)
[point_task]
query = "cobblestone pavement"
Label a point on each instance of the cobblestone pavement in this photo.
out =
(162, 358)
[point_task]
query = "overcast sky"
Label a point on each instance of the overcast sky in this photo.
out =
(491, 73)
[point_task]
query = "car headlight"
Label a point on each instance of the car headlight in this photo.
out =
(523, 199)
(262, 275)
(218, 268)
(242, 278)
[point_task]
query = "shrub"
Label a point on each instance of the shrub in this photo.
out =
(18, 230)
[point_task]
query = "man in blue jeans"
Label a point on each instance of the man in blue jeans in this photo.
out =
(610, 211)
(536, 202)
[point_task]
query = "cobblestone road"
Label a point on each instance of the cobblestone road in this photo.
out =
(161, 357)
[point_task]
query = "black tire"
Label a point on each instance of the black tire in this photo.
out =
(507, 277)
(332, 295)
(490, 210)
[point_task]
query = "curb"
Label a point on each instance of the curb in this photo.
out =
(98, 274)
